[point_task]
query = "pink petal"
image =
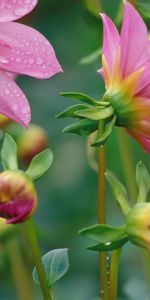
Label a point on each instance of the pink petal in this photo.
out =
(13, 102)
(111, 41)
(133, 39)
(13, 10)
(141, 138)
(24, 50)
(143, 89)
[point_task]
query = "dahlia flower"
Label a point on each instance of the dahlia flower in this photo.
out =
(126, 72)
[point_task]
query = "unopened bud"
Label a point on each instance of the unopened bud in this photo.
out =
(32, 141)
(138, 224)
(18, 198)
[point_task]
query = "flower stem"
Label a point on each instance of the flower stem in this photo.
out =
(127, 163)
(102, 218)
(20, 274)
(114, 270)
(38, 262)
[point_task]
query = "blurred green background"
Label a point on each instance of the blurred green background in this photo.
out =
(68, 192)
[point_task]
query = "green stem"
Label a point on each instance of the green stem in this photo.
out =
(127, 163)
(114, 270)
(20, 274)
(102, 218)
(38, 262)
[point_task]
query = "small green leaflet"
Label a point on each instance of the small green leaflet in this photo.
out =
(9, 153)
(56, 264)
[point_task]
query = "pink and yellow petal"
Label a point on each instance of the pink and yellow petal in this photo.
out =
(24, 50)
(111, 41)
(13, 10)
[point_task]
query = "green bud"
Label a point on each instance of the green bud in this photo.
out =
(138, 224)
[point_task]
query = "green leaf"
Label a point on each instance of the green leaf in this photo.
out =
(96, 113)
(101, 140)
(108, 237)
(83, 128)
(84, 98)
(89, 59)
(144, 9)
(40, 164)
(9, 153)
(143, 181)
(56, 264)
(102, 233)
(93, 6)
(78, 96)
(109, 246)
(70, 112)
(119, 191)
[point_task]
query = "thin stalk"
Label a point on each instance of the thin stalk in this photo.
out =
(127, 163)
(38, 262)
(20, 274)
(102, 216)
(114, 271)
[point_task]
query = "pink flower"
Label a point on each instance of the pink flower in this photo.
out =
(23, 50)
(126, 72)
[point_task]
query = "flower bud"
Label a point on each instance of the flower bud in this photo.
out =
(138, 224)
(18, 198)
(33, 141)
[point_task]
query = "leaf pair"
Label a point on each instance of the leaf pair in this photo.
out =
(38, 166)
(91, 113)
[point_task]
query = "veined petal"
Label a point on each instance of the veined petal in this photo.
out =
(13, 10)
(133, 39)
(13, 102)
(111, 41)
(24, 50)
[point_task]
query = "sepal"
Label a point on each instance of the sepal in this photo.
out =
(143, 181)
(102, 138)
(119, 191)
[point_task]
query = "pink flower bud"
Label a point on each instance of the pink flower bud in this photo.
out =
(18, 198)
(138, 224)
(33, 141)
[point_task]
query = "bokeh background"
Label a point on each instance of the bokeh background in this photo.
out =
(68, 192)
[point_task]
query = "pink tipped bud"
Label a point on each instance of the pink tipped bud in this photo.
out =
(33, 141)
(138, 224)
(18, 198)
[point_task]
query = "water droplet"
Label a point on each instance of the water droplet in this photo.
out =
(3, 60)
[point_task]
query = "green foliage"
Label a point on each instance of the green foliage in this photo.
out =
(83, 128)
(70, 111)
(96, 113)
(107, 237)
(144, 9)
(56, 264)
(102, 138)
(92, 57)
(143, 181)
(119, 191)
(40, 164)
(79, 96)
(9, 153)
(93, 6)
